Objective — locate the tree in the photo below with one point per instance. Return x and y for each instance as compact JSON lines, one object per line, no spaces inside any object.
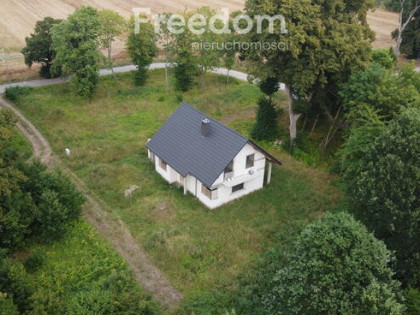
{"x":384,"y":187}
{"x":384,"y":57}
{"x":324,"y":44}
{"x":265,"y":127}
{"x":409,"y":11}
{"x":112,"y":26}
{"x":336,"y":267}
{"x":166,"y":38}
{"x":76,"y":41}
{"x":379,"y":90}
{"x":209,"y":43}
{"x":141,"y":47}
{"x":39,"y":47}
{"x":186,"y":62}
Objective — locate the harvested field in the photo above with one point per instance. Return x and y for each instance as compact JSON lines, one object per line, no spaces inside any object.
{"x":19,"y":18}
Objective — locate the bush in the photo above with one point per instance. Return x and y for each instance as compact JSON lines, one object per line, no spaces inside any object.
{"x":33,"y":262}
{"x":265,"y":127}
{"x":7,"y":307}
{"x":413,"y":301}
{"x":184,"y":76}
{"x":57,"y":201}
{"x":45,"y":203}
{"x":14,"y":92}
{"x":385,"y":57}
{"x":336,"y":267}
{"x":140,"y":76}
{"x":15,"y":282}
{"x":383,"y":184}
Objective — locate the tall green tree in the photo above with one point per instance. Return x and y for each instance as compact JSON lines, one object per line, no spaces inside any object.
{"x":383,"y":184}
{"x":408,"y":25}
{"x":112,"y":26}
{"x":38,"y":47}
{"x":265,"y":127}
{"x":142,"y":49}
{"x":379,"y":90}
{"x":324,"y":44}
{"x":210,"y":50}
{"x":336,"y":267}
{"x":76,"y":41}
{"x":186,"y":61}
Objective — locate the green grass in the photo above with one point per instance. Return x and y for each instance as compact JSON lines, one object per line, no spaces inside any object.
{"x":78,"y":269}
{"x":198,"y":248}
{"x":21,"y":148}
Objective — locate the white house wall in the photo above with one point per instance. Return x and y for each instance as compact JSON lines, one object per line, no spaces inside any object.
{"x":252,"y":178}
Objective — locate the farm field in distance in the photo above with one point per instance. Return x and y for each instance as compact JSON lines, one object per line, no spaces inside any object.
{"x":19,"y":18}
{"x":197,"y":248}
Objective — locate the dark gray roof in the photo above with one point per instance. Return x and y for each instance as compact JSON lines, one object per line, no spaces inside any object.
{"x":179,"y":143}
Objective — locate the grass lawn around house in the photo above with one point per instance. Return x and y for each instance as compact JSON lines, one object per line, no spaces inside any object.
{"x":197,"y":248}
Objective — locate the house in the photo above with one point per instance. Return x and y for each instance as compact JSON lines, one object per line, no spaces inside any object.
{"x":211,"y":161}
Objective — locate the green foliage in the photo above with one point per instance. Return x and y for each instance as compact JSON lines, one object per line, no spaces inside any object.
{"x":15,"y":282}
{"x":186,"y":61}
{"x":82,"y":274}
{"x":112,"y":26}
{"x":14,"y":92}
{"x":141,"y":47}
{"x":384,"y":187}
{"x":325,"y":45}
{"x":45,"y":203}
{"x":76,"y":41}
{"x":413,"y":301}
{"x":385,"y":57}
{"x":57,"y":203}
{"x":39,"y":47}
{"x":34,"y":261}
{"x":265,"y":127}
{"x":10,"y":177}
{"x":336,"y":267}
{"x":7,"y":307}
{"x":269,"y":86}
{"x":380,"y":92}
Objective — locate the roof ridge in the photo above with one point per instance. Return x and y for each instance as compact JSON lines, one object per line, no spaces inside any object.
{"x":215,"y":120}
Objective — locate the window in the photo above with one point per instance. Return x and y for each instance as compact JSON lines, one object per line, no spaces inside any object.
{"x":162,"y":164}
{"x":229,"y":170}
{"x":250,"y":161}
{"x":237,"y":187}
{"x":209,"y":193}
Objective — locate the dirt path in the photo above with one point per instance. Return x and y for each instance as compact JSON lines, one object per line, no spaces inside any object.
{"x":108,"y":224}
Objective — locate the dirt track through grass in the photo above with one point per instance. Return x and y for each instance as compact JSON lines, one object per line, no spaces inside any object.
{"x":110,"y":226}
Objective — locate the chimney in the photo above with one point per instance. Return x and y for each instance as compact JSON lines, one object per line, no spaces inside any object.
{"x":205,"y":127}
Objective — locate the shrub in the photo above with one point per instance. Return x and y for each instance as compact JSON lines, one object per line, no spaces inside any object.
{"x":265,"y":127}
{"x":57,"y":201}
{"x":335,"y":267}
{"x":14,"y":92}
{"x":383,"y":183}
{"x":15,"y":282}
{"x":7,"y":307}
{"x":413,"y":301}
{"x":384,"y":57}
{"x":184,"y":76}
{"x":33,"y":262}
